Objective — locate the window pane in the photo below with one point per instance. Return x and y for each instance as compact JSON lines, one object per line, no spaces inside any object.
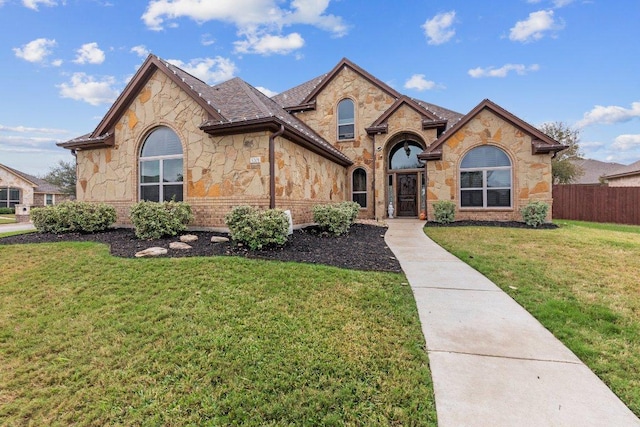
{"x":345,"y":132}
{"x":3,"y":203}
{"x":359,"y":180}
{"x":172,"y":170}
{"x":14,"y":194}
{"x":150,"y":193}
{"x":471,"y":198}
{"x":471,"y":179}
{"x":361,"y":199}
{"x":500,"y":178}
{"x":499,"y":198}
{"x":3,"y":193}
{"x":400,"y":160}
{"x":150,"y":171}
{"x":161,"y":142}
{"x":485,"y":156}
{"x":345,"y":112}
{"x":172,"y":192}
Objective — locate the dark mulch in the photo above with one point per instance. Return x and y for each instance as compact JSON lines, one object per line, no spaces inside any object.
{"x":508,"y":224}
{"x":363,"y":248}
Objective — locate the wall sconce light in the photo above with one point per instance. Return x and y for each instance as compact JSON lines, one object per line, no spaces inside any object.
{"x":407,"y":149}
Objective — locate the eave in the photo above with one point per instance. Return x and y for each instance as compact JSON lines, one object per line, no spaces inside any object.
{"x":88,"y":143}
{"x":539,"y":147}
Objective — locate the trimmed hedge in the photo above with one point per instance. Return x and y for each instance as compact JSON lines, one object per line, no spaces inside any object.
{"x":257,"y":228}
{"x":444,"y":211}
{"x":534,"y":213}
{"x":69,"y":217}
{"x":154,"y":220}
{"x":7,"y":211}
{"x":337,"y":218}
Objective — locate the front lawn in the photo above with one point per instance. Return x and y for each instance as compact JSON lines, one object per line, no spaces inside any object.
{"x":580,"y":281}
{"x":7,"y":219}
{"x":90,"y":339}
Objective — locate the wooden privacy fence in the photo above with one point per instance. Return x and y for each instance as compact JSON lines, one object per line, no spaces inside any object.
{"x":597,"y":203}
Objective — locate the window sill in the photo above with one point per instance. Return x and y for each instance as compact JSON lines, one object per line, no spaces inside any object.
{"x":491,"y":209}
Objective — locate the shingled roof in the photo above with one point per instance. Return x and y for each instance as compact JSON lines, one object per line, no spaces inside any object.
{"x":39,"y":185}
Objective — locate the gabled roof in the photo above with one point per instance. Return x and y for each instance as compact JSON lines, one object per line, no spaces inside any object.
{"x":541,"y":143}
{"x":593,"y":170}
{"x":429,"y":119}
{"x":39,"y":185}
{"x":629,"y":170}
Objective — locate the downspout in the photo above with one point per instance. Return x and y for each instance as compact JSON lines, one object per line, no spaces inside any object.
{"x":373,"y":167}
{"x":272,"y":167}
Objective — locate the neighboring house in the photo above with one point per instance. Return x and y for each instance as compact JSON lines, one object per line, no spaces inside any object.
{"x":344,"y":135}
{"x":594,"y":171}
{"x":625,"y":176}
{"x":19,"y":188}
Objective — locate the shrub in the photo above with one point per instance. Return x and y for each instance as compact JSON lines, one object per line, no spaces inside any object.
{"x":68,"y":217}
{"x":256,"y":228}
{"x":337,"y":218}
{"x":153,"y":220}
{"x":444,"y":211}
{"x":7,"y":211}
{"x":534,"y":213}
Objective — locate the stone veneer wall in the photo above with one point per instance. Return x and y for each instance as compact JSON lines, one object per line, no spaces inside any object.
{"x":8,"y":179}
{"x":531,"y":173}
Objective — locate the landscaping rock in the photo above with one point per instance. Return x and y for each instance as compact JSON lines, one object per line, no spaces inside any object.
{"x":155,"y":251}
{"x":219,"y":239}
{"x":179,"y":245}
{"x":188,"y":238}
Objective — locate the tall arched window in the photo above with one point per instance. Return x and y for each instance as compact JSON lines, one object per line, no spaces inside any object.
{"x":346,"y":119}
{"x":161,"y":173}
{"x":405,"y":156}
{"x":359,"y":187}
{"x":485,"y":178}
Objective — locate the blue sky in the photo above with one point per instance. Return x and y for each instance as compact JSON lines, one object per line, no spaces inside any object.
{"x":65,"y":61}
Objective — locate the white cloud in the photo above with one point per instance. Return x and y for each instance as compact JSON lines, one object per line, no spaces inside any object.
{"x":269,"y":44}
{"x":33,"y":4}
{"x":24,"y":129}
{"x":140,"y":50}
{"x":206,"y":40}
{"x":83,"y":87}
{"x":22,"y":141}
{"x":503,"y":71}
{"x":259,"y":21}
{"x":89,"y":53}
{"x":420,"y":83}
{"x":36,"y":50}
{"x":438,"y":29}
{"x":609,"y":115}
{"x":534,"y":27}
{"x":210,"y":70}
{"x":626,"y":142}
{"x":266,"y":91}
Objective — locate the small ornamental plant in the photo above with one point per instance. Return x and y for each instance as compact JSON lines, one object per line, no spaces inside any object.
{"x":257,"y":228}
{"x":444,"y":211}
{"x":153,"y":220}
{"x":534,"y":214}
{"x":337,"y":218}
{"x":73,"y":217}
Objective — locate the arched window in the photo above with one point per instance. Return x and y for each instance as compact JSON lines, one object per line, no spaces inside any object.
{"x":485,"y":178}
{"x":346,"y":119}
{"x":161,"y":173}
{"x":359,"y":187}
{"x":405,"y":156}
{"x":9,"y":197}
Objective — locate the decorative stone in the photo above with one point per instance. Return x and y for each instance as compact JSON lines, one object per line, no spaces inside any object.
{"x":179,"y":245}
{"x":188,"y":238}
{"x":219,"y":239}
{"x":155,"y":251}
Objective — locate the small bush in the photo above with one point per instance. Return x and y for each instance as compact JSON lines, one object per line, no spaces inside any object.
{"x":337,"y":218}
{"x":7,"y":211}
{"x":153,"y":220}
{"x":534,"y":213}
{"x":69,"y":217}
{"x":444,"y":211}
{"x":256,"y":228}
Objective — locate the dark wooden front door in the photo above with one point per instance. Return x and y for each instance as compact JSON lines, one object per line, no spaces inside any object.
{"x":407,"y":191}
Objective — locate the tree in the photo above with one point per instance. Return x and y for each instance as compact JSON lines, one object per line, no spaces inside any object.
{"x":563,"y":168}
{"x":63,"y":175}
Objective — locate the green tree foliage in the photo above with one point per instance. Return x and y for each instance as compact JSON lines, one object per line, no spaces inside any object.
{"x":564,"y":170}
{"x":63,"y":175}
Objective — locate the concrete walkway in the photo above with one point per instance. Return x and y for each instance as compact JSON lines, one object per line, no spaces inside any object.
{"x":5,"y":228}
{"x":492,"y":363}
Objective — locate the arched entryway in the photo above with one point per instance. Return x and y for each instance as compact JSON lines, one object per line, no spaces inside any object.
{"x":405,"y":176}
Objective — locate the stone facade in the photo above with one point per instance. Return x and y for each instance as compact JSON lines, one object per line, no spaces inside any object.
{"x":33,"y":190}
{"x":531,"y":174}
{"x":9,"y":179}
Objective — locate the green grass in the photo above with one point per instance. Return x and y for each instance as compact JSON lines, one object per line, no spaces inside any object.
{"x":7,"y":219}
{"x":89,"y":339}
{"x":580,"y":281}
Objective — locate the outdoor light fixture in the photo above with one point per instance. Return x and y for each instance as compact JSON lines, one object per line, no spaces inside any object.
{"x":407,"y":149}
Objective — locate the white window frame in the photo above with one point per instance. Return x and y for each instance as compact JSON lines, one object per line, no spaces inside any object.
{"x":53,"y":199}
{"x":340,"y":123}
{"x":485,"y":188}
{"x":160,"y":159}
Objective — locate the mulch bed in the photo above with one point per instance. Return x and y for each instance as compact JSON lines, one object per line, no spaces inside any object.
{"x":363,"y":248}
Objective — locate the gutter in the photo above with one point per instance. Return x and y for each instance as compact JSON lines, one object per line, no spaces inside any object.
{"x":272,"y":166}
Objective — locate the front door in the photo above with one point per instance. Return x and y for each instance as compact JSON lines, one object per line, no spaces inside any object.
{"x":407,"y":192}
